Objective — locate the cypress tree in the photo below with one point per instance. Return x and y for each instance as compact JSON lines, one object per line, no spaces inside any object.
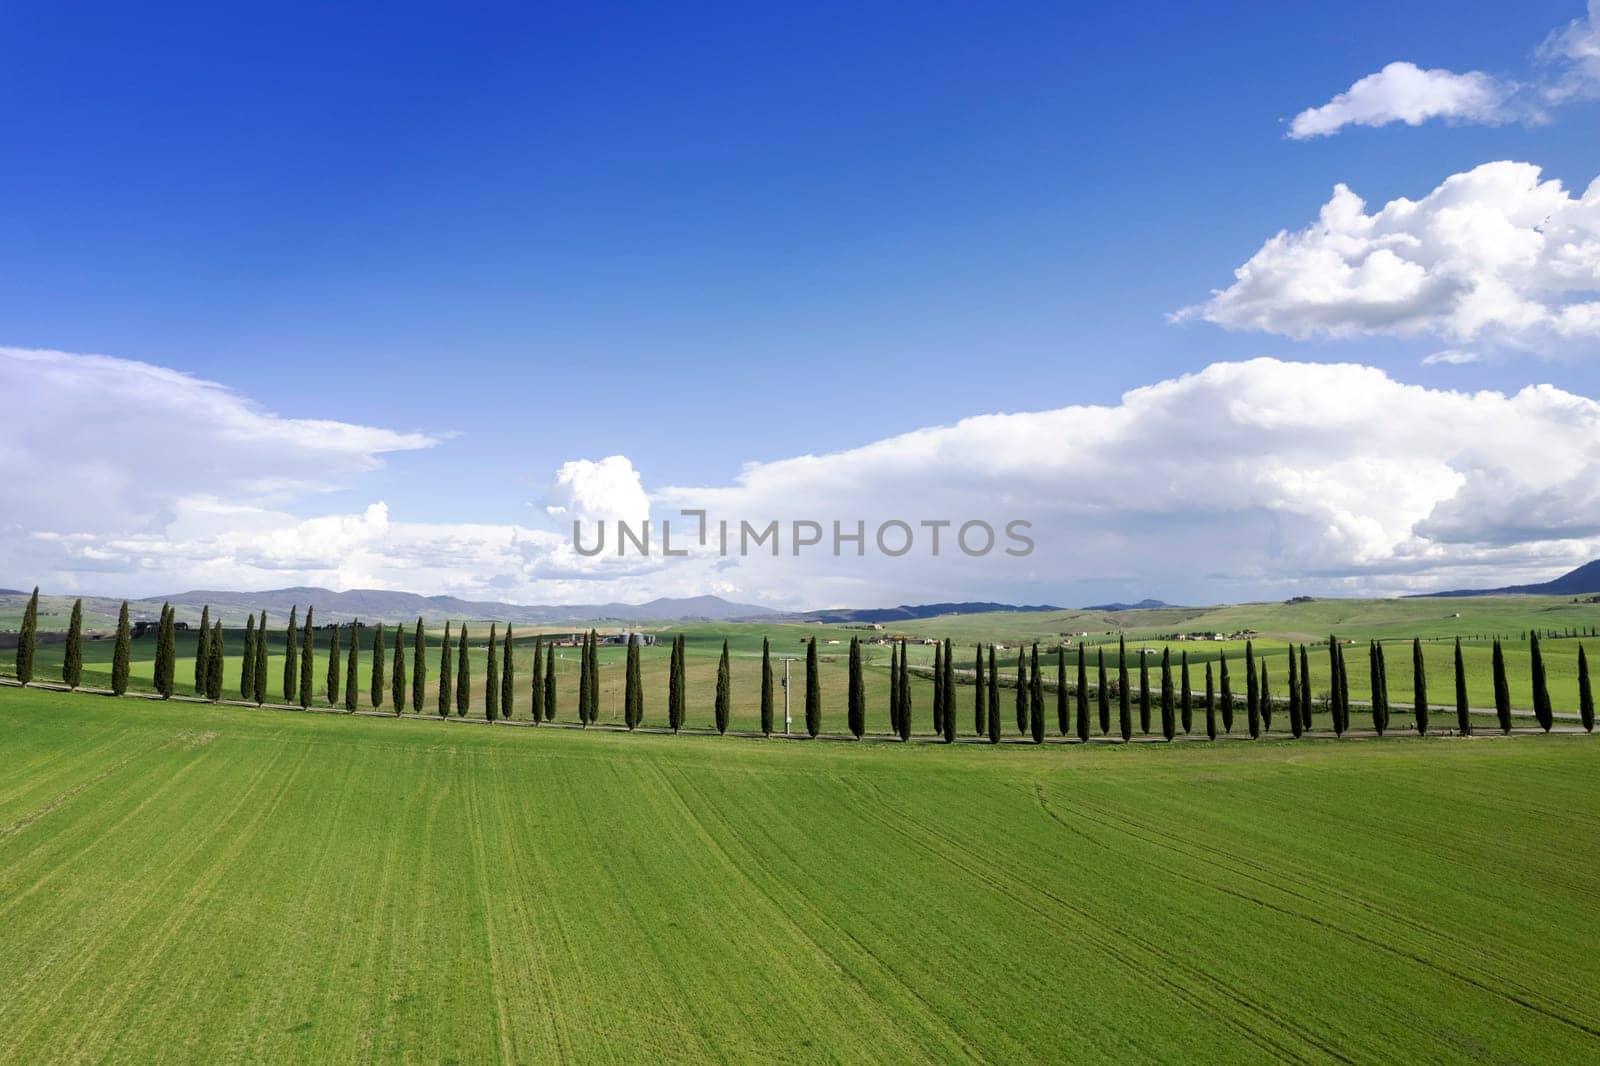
{"x":1376,"y":685}
{"x":632,"y":698}
{"x":335,"y":664}
{"x":1305,"y":691}
{"x":1124,"y":715}
{"x":1542,"y":709}
{"x":1296,"y":720}
{"x":380,"y":674}
{"x":397,"y":678}
{"x":247,"y":669}
{"x":1102,"y":693}
{"x":202,"y":646}
{"x":491,"y":678}
{"x":674,"y":685}
{"x":536,"y":686}
{"x":1252,"y":690}
{"x":167,"y":652}
{"x":1211,"y":708}
{"x":419,"y":670}
{"x":1022,"y":692}
{"x":508,"y":677}
{"x":352,"y":668}
{"x":214,"y":659}
{"x":1585,"y":693}
{"x":594,"y":676}
{"x":894,"y":687}
{"x":550,"y":682}
{"x":1169,"y":724}
{"x":446,"y":684}
{"x":120,"y":652}
{"x":1083,"y":697}
{"x":307,"y":663}
{"x":1463,"y":716}
{"x":993,"y":712}
{"x":1335,"y":656}
{"x":905,"y":693}
{"x":1063,"y":714}
{"x":463,"y":675}
{"x":1419,"y":687}
{"x":980,"y":697}
{"x":938,"y":689}
{"x":1502,"y":691}
{"x":1035,"y":698}
{"x":291,"y":660}
{"x":766,"y":687}
{"x":1185,"y":697}
{"x":261,"y":660}
{"x":858,"y":695}
{"x":1266,"y":698}
{"x":27,"y":638}
{"x":72,"y":660}
{"x":724,"y":695}
{"x":1226,"y":694}
{"x":584,"y":676}
{"x":1144,"y":692}
{"x":949,"y":690}
{"x":813,"y":691}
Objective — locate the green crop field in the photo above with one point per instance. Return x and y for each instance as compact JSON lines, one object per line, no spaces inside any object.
{"x":185,"y":881}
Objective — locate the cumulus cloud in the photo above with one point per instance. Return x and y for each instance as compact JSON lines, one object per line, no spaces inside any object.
{"x":1243,"y":479}
{"x":1495,"y":253}
{"x":1450,"y":357}
{"x":1404,"y":92}
{"x":1570,"y":57}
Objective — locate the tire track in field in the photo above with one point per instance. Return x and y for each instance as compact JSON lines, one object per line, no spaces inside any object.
{"x":1014,"y":887}
{"x":933,"y":1018}
{"x":481,"y":882}
{"x":56,"y":802}
{"x":127,"y":978}
{"x":1522,"y":1000}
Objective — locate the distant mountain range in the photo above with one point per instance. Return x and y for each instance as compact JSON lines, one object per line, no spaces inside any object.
{"x":1142,"y":605}
{"x":1582,"y":581}
{"x":378,"y":605}
{"x":903,"y":613}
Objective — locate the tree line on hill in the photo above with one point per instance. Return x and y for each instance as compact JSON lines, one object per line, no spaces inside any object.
{"x":1170,"y":708}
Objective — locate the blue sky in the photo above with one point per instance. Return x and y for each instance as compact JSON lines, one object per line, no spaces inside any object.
{"x":706,"y":236}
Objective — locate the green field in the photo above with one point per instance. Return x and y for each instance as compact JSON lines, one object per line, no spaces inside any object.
{"x":181,"y":881}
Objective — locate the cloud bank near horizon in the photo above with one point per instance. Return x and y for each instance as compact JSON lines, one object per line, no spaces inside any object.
{"x":1242,"y":479}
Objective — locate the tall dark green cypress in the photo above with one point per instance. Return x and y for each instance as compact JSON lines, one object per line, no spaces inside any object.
{"x":1266,"y":697}
{"x":857,"y":705}
{"x":1102,"y":693}
{"x":1225,"y":696}
{"x":1585,"y":693}
{"x":491,"y":677}
{"x":1376,"y":678}
{"x":938,"y":689}
{"x":1022,"y":692}
{"x":1542,"y":708}
{"x":1335,"y":656}
{"x":335,"y":664}
{"x":1252,"y":691}
{"x":247,"y":669}
{"x":167,"y":652}
{"x":894,"y":687}
{"x":1463,"y":713}
{"x":1124,"y":713}
{"x":725,"y":691}
{"x":120,"y":652}
{"x":72,"y":659}
{"x":463,"y":674}
{"x":594,"y":676}
{"x":27,"y":638}
{"x":949,"y":688}
{"x":1185,"y":696}
{"x":1502,"y":691}
{"x":1211,"y":707}
{"x":352,"y":669}
{"x":307,"y":662}
{"x":1169,"y":724}
{"x":980,"y":697}
{"x":1419,"y":687}
{"x":1083,"y":696}
{"x":906,"y":709}
{"x":767,"y":687}
{"x":508,"y":677}
{"x":632,"y":697}
{"x":447,"y":689}
{"x":397,"y":677}
{"x":1063,"y":711}
{"x":214,"y":659}
{"x":380,"y":675}
{"x":550,"y":682}
{"x":674,"y":684}
{"x":1144,"y":692}
{"x":813,"y":691}
{"x":583,"y":682}
{"x":993,"y":713}
{"x":261,"y":660}
{"x":1294,"y":694}
{"x":1035,"y":698}
{"x":202,"y":645}
{"x":291,"y":657}
{"x":419,"y":669}
{"x":536,"y":685}
{"x":1305,"y":691}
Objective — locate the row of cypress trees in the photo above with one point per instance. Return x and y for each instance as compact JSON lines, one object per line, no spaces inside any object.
{"x":454,"y":686}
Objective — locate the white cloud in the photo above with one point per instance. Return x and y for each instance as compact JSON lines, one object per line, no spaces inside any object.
{"x":1571,"y":59}
{"x":1494,"y":253}
{"x":1404,"y":92}
{"x":1450,"y":357}
{"x":1243,"y":479}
